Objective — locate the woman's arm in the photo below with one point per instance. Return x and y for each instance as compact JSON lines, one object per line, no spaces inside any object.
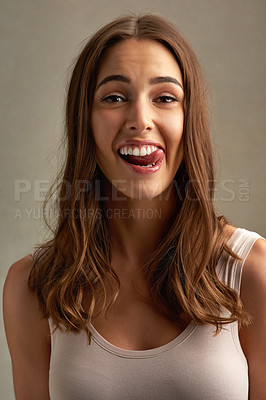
{"x":27,"y":334}
{"x":253,"y":338}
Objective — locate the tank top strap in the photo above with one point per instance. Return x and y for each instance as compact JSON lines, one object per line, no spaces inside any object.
{"x":229,"y":269}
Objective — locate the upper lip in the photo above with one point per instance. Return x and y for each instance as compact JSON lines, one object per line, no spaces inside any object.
{"x":136,"y":142}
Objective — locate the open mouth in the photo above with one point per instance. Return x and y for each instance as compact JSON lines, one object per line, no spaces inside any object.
{"x":147,"y":156}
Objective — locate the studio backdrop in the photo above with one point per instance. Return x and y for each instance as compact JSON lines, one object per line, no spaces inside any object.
{"x":39,"y":43}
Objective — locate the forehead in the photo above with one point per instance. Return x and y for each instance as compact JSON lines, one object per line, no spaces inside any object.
{"x":137,"y":57}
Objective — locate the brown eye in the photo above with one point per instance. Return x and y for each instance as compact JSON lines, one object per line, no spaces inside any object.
{"x":166,"y":99}
{"x":114,"y":98}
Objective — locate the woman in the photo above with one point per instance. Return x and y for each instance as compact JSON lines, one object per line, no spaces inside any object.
{"x":139,"y":293}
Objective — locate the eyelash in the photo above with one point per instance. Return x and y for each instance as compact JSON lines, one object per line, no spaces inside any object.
{"x":173,"y":99}
{"x":113,"y":96}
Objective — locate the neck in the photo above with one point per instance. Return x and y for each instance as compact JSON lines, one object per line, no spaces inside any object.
{"x":137,"y":226}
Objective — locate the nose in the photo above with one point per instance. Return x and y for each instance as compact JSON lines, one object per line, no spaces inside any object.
{"x":139,"y":117}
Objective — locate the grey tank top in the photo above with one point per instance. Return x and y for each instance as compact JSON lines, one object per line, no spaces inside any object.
{"x":196,"y":365}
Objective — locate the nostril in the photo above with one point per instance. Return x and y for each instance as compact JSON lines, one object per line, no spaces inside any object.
{"x":140,"y":126}
{"x":134,"y":128}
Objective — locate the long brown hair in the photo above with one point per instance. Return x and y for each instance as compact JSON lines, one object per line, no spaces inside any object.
{"x":181,"y":274}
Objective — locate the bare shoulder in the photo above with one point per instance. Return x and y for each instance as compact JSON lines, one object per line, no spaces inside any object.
{"x":21,"y":307}
{"x":19,"y":303}
{"x":27,"y":333}
{"x":254,"y":271}
{"x":16,"y":292}
{"x":252,"y":338}
{"x":253,"y":283}
{"x":18,"y":274}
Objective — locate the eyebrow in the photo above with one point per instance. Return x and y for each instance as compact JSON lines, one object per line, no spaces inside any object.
{"x":160,"y":79}
{"x":120,"y":78}
{"x":153,"y":81}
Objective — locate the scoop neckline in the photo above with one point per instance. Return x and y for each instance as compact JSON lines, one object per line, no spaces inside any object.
{"x":178,"y":340}
{"x":126,"y":353}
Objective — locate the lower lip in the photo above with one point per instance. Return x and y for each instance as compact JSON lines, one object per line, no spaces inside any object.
{"x":144,"y":170}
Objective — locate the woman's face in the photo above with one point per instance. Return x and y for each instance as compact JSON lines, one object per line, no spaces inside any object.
{"x":137,"y":117}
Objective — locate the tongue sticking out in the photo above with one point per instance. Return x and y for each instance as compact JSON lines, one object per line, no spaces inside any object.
{"x":150,"y":159}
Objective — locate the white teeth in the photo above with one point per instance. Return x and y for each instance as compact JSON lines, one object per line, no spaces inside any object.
{"x":142,"y":151}
{"x":146,"y":166}
{"x":148,"y":150}
{"x":138,"y":150}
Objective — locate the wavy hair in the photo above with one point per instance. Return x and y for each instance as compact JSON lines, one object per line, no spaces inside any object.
{"x":181,"y":274}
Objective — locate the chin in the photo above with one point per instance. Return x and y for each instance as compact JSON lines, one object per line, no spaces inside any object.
{"x":143,"y":192}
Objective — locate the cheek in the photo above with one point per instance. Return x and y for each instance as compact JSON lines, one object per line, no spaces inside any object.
{"x":174,"y":132}
{"x":104,"y":127}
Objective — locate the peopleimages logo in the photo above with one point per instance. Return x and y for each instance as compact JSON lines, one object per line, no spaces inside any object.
{"x":228,"y":189}
{"x":27,"y":191}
